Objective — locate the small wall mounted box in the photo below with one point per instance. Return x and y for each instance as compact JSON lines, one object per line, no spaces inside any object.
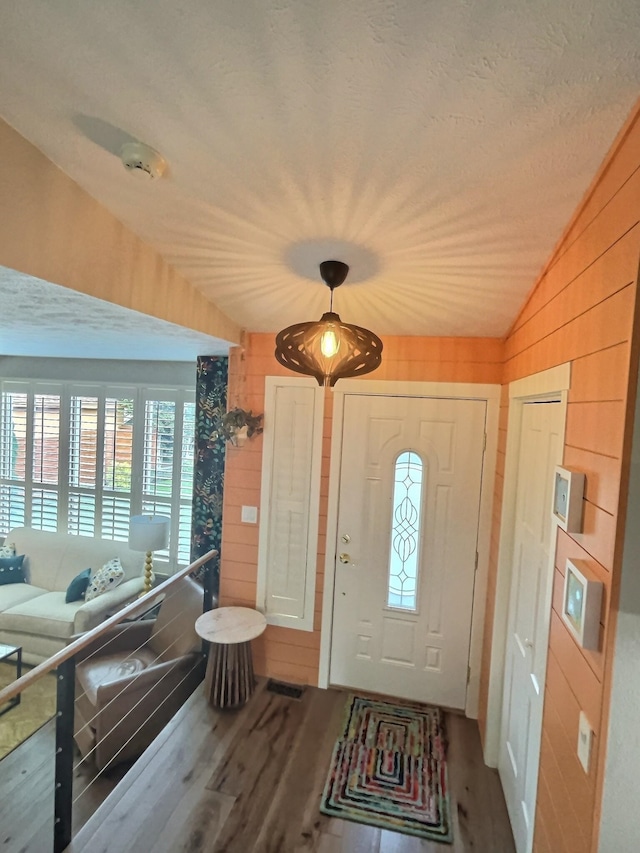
{"x":568,"y":493}
{"x":582,"y":604}
{"x":584,"y":741}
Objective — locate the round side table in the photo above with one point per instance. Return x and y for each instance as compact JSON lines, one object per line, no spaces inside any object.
{"x":229,"y":681}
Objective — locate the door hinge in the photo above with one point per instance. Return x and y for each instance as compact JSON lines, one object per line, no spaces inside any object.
{"x":468,"y":674}
{"x":477,"y":558}
{"x":484,"y":445}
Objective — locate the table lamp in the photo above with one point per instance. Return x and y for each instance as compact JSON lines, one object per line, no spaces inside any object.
{"x":148,"y":533}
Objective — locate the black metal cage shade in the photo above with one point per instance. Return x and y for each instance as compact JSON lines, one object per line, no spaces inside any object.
{"x":328,"y":349}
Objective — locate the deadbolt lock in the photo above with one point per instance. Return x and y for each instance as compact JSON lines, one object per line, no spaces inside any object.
{"x":346,"y":538}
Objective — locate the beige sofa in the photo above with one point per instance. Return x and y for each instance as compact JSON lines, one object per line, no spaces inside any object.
{"x":34,"y":615}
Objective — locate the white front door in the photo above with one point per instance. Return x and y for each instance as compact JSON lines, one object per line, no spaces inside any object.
{"x":529,"y":609}
{"x":406,"y":550}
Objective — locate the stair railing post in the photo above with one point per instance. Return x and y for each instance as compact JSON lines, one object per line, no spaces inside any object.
{"x":65,"y":675}
{"x":207,"y":582}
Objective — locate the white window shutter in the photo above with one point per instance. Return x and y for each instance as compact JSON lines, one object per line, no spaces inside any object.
{"x":290,"y":499}
{"x":84,"y":458}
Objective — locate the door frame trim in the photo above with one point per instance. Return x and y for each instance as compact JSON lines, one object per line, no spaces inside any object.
{"x":488,"y":393}
{"x":552,"y":384}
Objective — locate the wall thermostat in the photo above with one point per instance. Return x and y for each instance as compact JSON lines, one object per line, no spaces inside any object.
{"x":568,"y":494}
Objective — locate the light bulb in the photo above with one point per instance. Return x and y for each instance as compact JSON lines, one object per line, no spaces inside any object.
{"x":329,"y":343}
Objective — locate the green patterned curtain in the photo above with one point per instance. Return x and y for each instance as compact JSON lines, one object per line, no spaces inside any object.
{"x":211,"y":404}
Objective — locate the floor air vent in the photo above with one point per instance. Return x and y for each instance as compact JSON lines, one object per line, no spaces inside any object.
{"x":293,"y":691}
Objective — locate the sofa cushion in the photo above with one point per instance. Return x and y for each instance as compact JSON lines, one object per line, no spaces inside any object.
{"x":17,"y":593}
{"x":108,"y":577}
{"x":82,"y":552}
{"x":11,"y":570}
{"x":47,"y":615}
{"x":54,"y":559}
{"x":43,"y":553}
{"x":92,"y":613}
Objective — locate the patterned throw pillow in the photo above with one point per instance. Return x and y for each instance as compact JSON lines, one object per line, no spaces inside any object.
{"x":108,"y":577}
{"x":7,"y":550}
{"x":11,"y":570}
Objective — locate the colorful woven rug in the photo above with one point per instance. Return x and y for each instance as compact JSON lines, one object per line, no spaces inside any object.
{"x":389,"y":769}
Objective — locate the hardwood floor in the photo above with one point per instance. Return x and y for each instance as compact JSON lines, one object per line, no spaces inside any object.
{"x":26,"y":793}
{"x":26,"y":788}
{"x":236,"y":782}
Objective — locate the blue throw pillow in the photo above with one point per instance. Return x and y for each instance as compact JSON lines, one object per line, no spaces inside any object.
{"x":78,"y":587}
{"x":11,"y":570}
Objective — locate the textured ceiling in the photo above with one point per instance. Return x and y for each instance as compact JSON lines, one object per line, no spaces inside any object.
{"x":437,"y":147}
{"x":41,"y":319}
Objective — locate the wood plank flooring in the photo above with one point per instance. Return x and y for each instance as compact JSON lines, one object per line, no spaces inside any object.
{"x":26,"y":792}
{"x":26,"y":789}
{"x":251,"y":780}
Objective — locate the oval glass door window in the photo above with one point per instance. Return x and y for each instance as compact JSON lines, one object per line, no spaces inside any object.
{"x":405,"y":531}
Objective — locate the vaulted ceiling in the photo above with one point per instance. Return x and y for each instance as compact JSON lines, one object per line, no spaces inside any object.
{"x":437,"y":147}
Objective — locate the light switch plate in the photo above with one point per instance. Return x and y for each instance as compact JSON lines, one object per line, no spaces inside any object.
{"x":249,"y":515}
{"x":584,"y":741}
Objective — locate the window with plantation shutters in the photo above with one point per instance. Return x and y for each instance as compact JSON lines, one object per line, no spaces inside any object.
{"x":45,"y":450}
{"x":117,"y":467}
{"x":83,"y":465}
{"x":13,"y":458}
{"x":86,"y":458}
{"x":187,"y":463}
{"x":157,"y":472}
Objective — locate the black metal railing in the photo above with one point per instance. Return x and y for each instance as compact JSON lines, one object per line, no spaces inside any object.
{"x":72,"y":727}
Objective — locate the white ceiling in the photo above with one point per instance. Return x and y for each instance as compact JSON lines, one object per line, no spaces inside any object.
{"x":38,"y":318}
{"x":439,"y":148}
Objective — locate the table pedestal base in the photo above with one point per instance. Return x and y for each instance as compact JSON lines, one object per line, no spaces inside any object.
{"x":229,"y":681}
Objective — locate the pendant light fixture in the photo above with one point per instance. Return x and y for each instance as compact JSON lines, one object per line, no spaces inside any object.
{"x":329,"y":349}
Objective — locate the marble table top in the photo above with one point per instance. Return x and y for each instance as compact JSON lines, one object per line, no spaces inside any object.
{"x":230,"y":625}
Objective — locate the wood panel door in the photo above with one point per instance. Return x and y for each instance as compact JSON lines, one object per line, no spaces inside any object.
{"x":541,"y":442}
{"x":409,"y":501}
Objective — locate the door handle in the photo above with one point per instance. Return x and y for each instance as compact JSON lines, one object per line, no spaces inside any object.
{"x":345,"y":558}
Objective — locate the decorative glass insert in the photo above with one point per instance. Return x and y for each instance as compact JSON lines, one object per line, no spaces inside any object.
{"x":405,"y":532}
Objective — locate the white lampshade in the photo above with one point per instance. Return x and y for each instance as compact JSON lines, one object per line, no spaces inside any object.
{"x":148,"y":532}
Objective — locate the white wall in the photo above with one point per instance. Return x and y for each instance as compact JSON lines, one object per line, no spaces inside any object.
{"x":171,"y":373}
{"x":54,"y":231}
{"x":620,"y":823}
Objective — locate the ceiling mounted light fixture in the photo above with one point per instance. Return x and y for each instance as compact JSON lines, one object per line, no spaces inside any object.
{"x":329,"y":349}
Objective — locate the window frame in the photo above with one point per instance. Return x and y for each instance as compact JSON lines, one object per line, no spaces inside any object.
{"x":141,"y":395}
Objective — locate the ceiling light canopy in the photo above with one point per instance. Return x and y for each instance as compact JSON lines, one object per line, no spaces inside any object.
{"x":329,"y":349}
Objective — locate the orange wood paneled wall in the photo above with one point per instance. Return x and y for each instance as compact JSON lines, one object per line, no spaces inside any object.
{"x":582,"y":310}
{"x":282,"y":652}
